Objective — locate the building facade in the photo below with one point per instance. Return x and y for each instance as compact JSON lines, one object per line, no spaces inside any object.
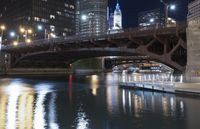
{"x":151,"y":18}
{"x":193,"y":42}
{"x":117,"y":18}
{"x":193,"y":10}
{"x":55,"y":16}
{"x":91,"y":17}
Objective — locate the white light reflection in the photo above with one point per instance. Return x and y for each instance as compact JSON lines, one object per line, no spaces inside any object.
{"x":52,"y":112}
{"x":182,"y":107}
{"x":173,"y":106}
{"x":82,"y":120}
{"x":12,"y":110}
{"x":14,"y":89}
{"x":25,"y":111}
{"x":39,"y":113}
{"x":137,"y":105}
{"x":165,"y":106}
{"x":112,"y":94}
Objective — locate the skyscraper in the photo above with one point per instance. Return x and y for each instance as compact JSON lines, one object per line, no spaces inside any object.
{"x":55,"y":16}
{"x":117,"y":17}
{"x":91,"y":17}
{"x":194,"y":10}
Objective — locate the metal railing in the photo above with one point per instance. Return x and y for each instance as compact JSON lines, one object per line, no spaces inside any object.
{"x":83,"y":38}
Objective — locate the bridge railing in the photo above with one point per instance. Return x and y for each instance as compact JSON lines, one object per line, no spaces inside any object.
{"x":110,"y":34}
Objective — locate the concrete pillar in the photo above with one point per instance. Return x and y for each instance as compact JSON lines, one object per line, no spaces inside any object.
{"x":5,"y":61}
{"x":193,"y":51}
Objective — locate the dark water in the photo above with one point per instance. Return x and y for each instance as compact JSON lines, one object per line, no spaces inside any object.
{"x":91,"y":102}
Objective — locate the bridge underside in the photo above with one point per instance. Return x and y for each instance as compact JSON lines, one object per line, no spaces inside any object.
{"x":63,"y":58}
{"x":167,"y":46}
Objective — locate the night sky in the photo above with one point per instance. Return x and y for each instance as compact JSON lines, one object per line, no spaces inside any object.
{"x":130,"y":9}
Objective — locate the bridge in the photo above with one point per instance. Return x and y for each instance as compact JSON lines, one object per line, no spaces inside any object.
{"x":165,"y":45}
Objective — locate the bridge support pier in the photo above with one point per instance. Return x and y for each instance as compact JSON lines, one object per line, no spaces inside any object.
{"x":5,"y":63}
{"x":193,"y":52}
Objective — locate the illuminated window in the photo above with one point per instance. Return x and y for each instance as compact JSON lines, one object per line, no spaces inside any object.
{"x":36,"y":19}
{"x":52,"y":17}
{"x":52,"y":27}
{"x":59,"y":13}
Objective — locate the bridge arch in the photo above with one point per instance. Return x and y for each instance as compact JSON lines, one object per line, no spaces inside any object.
{"x":94,"y":52}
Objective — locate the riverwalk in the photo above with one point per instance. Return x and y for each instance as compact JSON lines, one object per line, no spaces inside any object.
{"x":170,"y":87}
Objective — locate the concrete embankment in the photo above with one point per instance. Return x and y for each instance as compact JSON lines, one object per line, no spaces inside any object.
{"x":40,"y":71}
{"x":179,"y":88}
{"x":50,"y":71}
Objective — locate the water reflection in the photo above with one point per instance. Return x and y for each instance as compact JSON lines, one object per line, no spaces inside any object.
{"x":52,"y":112}
{"x":72,"y":104}
{"x":112,"y":94}
{"x":81,"y":120}
{"x":70,"y":81}
{"x":139,"y":101}
{"x":94,"y":84}
{"x":17,"y":106}
{"x":39,"y":113}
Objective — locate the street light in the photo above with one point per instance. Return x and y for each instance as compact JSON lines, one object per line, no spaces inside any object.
{"x":2,"y":27}
{"x":30,"y":31}
{"x":15,"y":43}
{"x":40,"y":28}
{"x":173,"y":7}
{"x":13,"y":34}
{"x":152,"y":20}
{"x":26,"y":32}
{"x":167,"y":7}
{"x":28,"y":40}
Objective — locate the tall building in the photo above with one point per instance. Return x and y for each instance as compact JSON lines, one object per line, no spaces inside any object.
{"x":151,"y":18}
{"x":193,"y":10}
{"x":193,"y":42}
{"x":91,"y":17}
{"x":55,"y":16}
{"x":111,"y":21}
{"x":117,"y":18}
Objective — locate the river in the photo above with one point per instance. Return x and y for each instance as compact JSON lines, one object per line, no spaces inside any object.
{"x":91,"y":102}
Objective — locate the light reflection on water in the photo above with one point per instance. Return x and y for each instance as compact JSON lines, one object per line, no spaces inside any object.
{"x":100,"y":104}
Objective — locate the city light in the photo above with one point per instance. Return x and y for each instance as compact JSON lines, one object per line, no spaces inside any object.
{"x":52,"y":35}
{"x":3,"y":27}
{"x":28,"y":40}
{"x":172,"y":7}
{"x":22,"y":30}
{"x":84,"y":17}
{"x":152,"y":20}
{"x":39,"y":27}
{"x":12,"y":34}
{"x":30,"y":31}
{"x":15,"y":43}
